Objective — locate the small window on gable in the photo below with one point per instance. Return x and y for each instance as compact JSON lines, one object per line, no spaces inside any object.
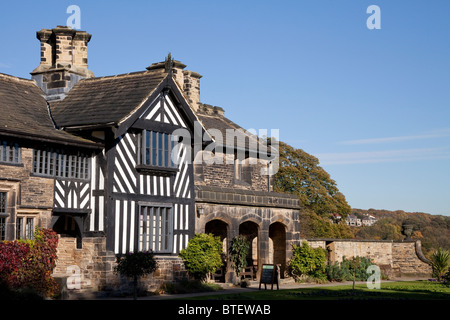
{"x":156,"y":152}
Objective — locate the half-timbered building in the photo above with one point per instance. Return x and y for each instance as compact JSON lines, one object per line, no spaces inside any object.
{"x":116,"y":164}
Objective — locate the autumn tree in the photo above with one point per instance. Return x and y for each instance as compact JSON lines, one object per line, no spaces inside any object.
{"x":299,"y":173}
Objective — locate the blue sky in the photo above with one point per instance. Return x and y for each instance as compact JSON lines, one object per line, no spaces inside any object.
{"x":372,"y":105}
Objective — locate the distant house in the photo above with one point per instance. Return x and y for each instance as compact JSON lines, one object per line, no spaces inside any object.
{"x":368,"y":220}
{"x":353,"y":221}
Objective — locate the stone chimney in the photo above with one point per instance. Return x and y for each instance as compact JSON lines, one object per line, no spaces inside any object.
{"x":64,"y":60}
{"x":191,"y":87}
{"x":188,"y":81}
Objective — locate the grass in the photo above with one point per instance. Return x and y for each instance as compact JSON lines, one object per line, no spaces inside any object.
{"x":188,"y":286}
{"x":404,"y":290}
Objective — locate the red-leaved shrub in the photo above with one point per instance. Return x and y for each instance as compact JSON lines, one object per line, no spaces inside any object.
{"x":29,"y":264}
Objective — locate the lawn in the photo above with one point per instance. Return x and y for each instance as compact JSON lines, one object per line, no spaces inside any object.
{"x":404,"y":290}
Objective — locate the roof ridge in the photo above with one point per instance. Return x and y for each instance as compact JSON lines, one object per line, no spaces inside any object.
{"x":122,"y":75}
{"x":8,"y":76}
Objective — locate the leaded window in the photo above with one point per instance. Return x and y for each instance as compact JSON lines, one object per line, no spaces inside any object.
{"x":19,"y":228}
{"x":25,"y":231}
{"x":29,"y":228}
{"x":155,"y":228}
{"x":3,"y":196}
{"x":3,"y":215}
{"x":2,"y":228}
{"x":156,"y":148}
{"x":10,"y":152}
{"x":53,"y":163}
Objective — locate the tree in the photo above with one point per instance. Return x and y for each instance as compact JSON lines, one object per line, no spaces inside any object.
{"x":202,"y":255}
{"x":299,"y":173}
{"x":135,"y":265}
{"x":315,"y":226}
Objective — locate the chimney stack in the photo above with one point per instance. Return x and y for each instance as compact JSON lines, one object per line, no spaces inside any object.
{"x":189,"y":81}
{"x":191,"y":88}
{"x":63,"y":60}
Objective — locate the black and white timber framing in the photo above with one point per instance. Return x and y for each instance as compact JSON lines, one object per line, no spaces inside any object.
{"x":138,"y":206}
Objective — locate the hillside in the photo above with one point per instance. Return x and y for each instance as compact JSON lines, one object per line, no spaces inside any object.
{"x":432,"y":230}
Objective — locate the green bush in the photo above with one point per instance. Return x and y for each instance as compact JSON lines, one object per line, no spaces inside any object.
{"x":307,"y":261}
{"x":343,"y":271}
{"x":202,"y":255}
{"x":239,"y":249}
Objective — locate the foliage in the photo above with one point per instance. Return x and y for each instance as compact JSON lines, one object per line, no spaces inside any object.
{"x":440,"y":260}
{"x":432,"y":230}
{"x":29,"y":264}
{"x":354,"y":269}
{"x":239,"y":249}
{"x":315,"y":226}
{"x":135,"y":265}
{"x":202,"y":255}
{"x":299,"y":173}
{"x":307,"y":261}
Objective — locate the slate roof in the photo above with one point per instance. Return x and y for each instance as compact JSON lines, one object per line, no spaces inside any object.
{"x":24,"y":114}
{"x":105,"y":100}
{"x":214,"y":118}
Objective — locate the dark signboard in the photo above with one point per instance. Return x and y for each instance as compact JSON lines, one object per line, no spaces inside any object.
{"x":269,"y":275}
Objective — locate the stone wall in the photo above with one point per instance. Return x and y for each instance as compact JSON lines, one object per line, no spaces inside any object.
{"x":224,"y":175}
{"x":91,"y":268}
{"x":408,"y":260}
{"x":28,"y":196}
{"x":396,"y":259}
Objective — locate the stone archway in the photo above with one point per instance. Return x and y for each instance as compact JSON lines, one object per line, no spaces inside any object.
{"x":250,"y":229}
{"x":67,"y":226}
{"x":277,"y":235}
{"x":220,"y":228}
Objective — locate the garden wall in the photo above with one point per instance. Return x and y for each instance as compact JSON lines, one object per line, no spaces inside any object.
{"x":396,"y":259}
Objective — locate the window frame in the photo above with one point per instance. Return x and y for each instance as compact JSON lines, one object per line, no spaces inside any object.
{"x":25,"y":224}
{"x":155,"y":153}
{"x":3,"y":227}
{"x":10,"y":153}
{"x":53,"y":163}
{"x":159,"y":237}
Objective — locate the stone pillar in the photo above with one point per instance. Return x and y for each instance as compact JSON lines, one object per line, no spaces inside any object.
{"x":233,"y":231}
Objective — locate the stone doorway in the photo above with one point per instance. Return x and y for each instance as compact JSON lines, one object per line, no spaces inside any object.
{"x":250,"y":230}
{"x":219,"y":228}
{"x":277,"y":236}
{"x":67,"y":226}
